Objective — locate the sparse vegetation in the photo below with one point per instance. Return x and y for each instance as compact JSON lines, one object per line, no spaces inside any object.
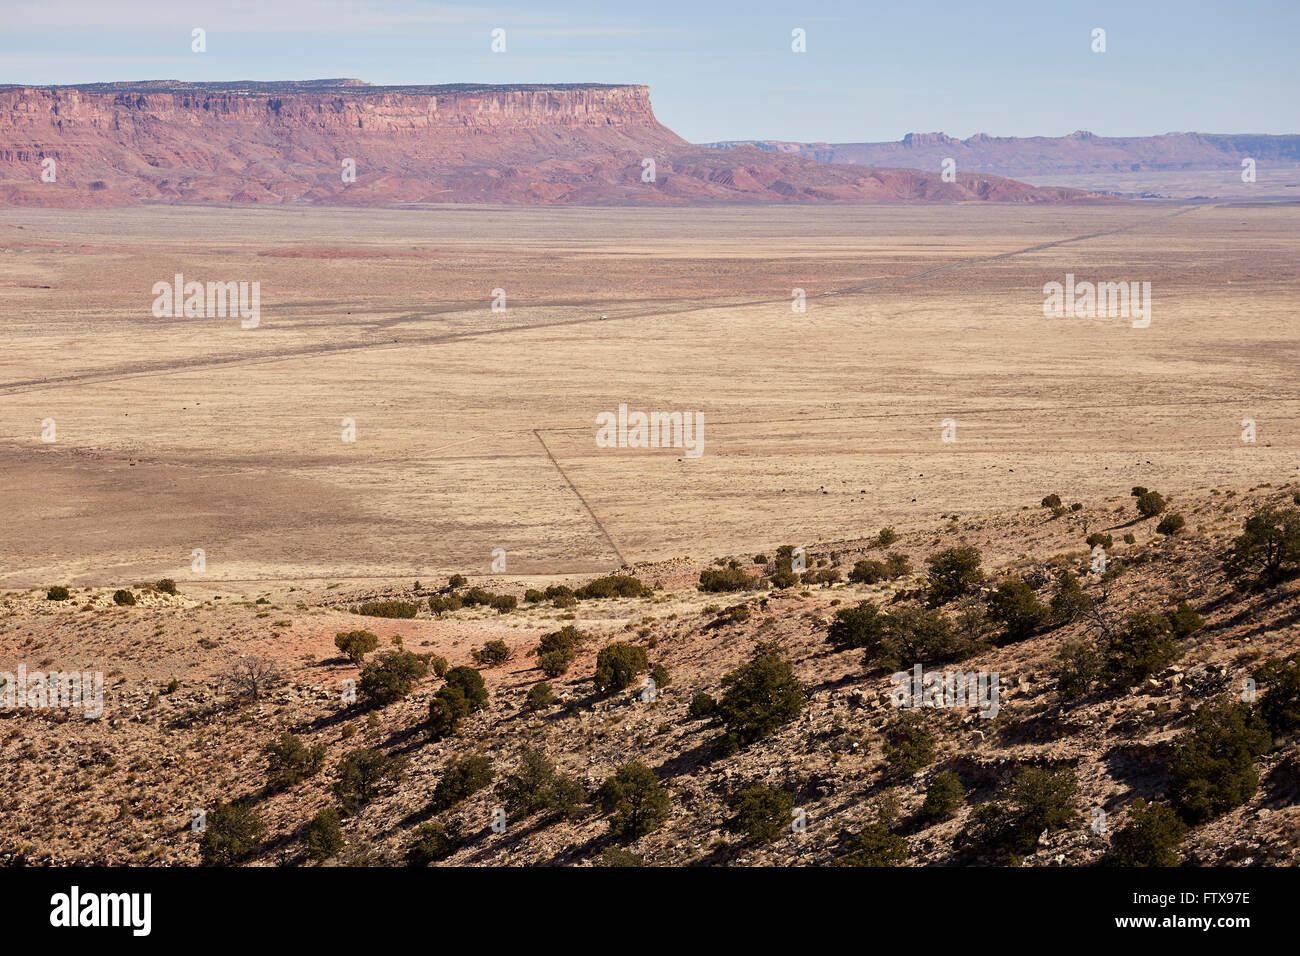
{"x":491,"y":654}
{"x":1149,"y":837}
{"x":1037,"y":801}
{"x":461,"y":778}
{"x":617,"y":666}
{"x":635,"y":801}
{"x":232,"y":832}
{"x":759,"y":697}
{"x":398,"y":609}
{"x":324,"y":835}
{"x":1211,"y":770}
{"x":389,"y":677}
{"x":761,"y":813}
{"x":290,"y":762}
{"x":362,"y":774}
{"x":355,"y":645}
{"x":953,"y":573}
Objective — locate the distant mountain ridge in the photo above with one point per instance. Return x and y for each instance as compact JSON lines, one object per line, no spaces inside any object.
{"x":107,"y":144}
{"x":1079,"y":152}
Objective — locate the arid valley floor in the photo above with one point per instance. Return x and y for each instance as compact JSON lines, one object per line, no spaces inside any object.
{"x":474,"y":431}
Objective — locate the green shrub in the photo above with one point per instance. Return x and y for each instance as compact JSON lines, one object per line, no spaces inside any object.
{"x":1211,"y":770}
{"x":758,"y":697}
{"x":355,"y":645}
{"x":1149,"y":837}
{"x":1171,"y":524}
{"x":944,"y":798}
{"x":448,"y":709}
{"x":761,"y":813}
{"x":166,"y":586}
{"x":1069,"y":602}
{"x":361,"y":774}
{"x":870,"y":571}
{"x":1269,"y":546}
{"x":1014,"y":605}
{"x":432,"y":842}
{"x":538,"y":786}
{"x":1143,"y":647}
{"x":324,"y":835}
{"x":821,"y":576}
{"x":440,"y":604}
{"x":867,"y":572}
{"x":534,"y":596}
{"x":57,"y":593}
{"x":1138,"y":491}
{"x":953,"y":572}
{"x":476,"y":597}
{"x":1097,"y":538}
{"x":660,"y":675}
{"x":290,"y":762}
{"x":636,"y":802}
{"x":1185,"y":621}
{"x":876,"y":845}
{"x":461,"y":778}
{"x":612,"y":585}
{"x":861,"y":626}
{"x":1280,"y":704}
{"x":1052,"y":501}
{"x":702,"y":707}
{"x":232,"y":832}
{"x":401,"y":609}
{"x":123,"y":598}
{"x":503,"y":603}
{"x":617,"y":666}
{"x":540,"y":697}
{"x":557,"y":650}
{"x":909,"y":744}
{"x":389,"y":677}
{"x":471,"y":685}
{"x":885,"y":537}
{"x":1150,"y":504}
{"x":456,"y":581}
{"x":725,"y":579}
{"x":438,"y":664}
{"x":491,"y":654}
{"x":1038,"y":801}
{"x":889,"y":639}
{"x":1079,"y":667}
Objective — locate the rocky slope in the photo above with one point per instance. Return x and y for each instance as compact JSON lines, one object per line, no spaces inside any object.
{"x":175,"y":737}
{"x":121,"y":143}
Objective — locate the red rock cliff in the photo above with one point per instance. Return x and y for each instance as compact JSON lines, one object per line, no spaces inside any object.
{"x":290,"y":142}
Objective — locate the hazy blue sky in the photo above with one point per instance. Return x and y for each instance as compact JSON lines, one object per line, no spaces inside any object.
{"x":872,"y":71}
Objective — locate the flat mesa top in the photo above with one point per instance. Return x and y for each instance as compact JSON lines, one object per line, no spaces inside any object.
{"x":349,"y":86}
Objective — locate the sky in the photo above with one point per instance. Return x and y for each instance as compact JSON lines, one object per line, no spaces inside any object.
{"x":872,"y":71}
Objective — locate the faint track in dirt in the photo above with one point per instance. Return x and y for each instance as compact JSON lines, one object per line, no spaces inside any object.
{"x":574,"y":488}
{"x":145,"y":369}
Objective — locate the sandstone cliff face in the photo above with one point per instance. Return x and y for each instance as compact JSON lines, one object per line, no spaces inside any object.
{"x":291,"y":142}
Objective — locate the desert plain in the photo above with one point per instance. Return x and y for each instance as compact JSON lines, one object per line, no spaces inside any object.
{"x":475,"y":428}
